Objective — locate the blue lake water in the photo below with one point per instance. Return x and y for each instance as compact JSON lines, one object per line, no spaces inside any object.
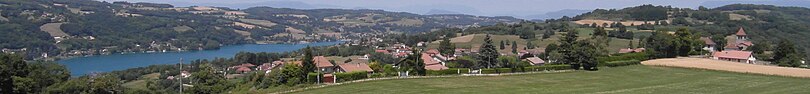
{"x":104,"y":63}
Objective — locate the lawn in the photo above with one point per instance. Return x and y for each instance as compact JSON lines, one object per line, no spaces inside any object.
{"x":621,"y":80}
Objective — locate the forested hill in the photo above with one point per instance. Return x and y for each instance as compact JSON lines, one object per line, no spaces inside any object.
{"x":764,"y":24}
{"x":40,"y":28}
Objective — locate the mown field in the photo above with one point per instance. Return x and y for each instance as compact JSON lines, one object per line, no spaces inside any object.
{"x":619,"y":80}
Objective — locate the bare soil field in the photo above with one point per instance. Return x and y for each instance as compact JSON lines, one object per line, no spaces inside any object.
{"x":54,"y":29}
{"x":264,"y":23}
{"x":711,"y":64}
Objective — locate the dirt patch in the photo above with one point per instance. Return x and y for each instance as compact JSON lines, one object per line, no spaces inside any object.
{"x":294,"y":30}
{"x":182,"y":28}
{"x":243,"y":33}
{"x":461,"y":39}
{"x":733,"y":16}
{"x":264,"y":23}
{"x":704,"y":63}
{"x":54,"y":29}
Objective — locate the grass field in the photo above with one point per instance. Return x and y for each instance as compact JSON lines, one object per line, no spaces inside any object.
{"x":618,"y":80}
{"x":475,"y":40}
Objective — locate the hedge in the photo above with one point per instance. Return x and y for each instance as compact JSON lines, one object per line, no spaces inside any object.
{"x":621,"y":63}
{"x":313,"y":77}
{"x":341,"y":77}
{"x":548,"y":67}
{"x":451,"y":71}
{"x":623,"y":57}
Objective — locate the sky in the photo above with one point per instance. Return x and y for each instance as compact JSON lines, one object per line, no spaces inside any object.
{"x":527,"y":9}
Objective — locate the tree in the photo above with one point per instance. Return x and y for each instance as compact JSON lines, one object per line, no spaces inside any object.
{"x":514,"y":47}
{"x":567,"y":47}
{"x":548,"y":33}
{"x":529,"y":45}
{"x":206,"y":81}
{"x":106,"y":84}
{"x":686,"y":43}
{"x":308,"y":64}
{"x":447,"y":48}
{"x":487,"y":54}
{"x":600,"y":31}
{"x":11,"y":66}
{"x":414,"y":63}
{"x":786,"y":54}
{"x":660,"y":45}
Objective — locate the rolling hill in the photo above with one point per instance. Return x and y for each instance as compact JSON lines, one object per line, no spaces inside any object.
{"x":91,"y":27}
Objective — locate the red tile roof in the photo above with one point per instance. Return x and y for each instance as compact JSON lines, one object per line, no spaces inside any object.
{"x":733,"y":54}
{"x":431,"y":64}
{"x":382,"y":51}
{"x":741,"y":32}
{"x":429,"y":60}
{"x":353,"y":67}
{"x":243,"y":69}
{"x":266,"y":66}
{"x":432,"y":51}
{"x":247,"y":65}
{"x":322,"y":62}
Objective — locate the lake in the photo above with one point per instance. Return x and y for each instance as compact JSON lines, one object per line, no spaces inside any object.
{"x":104,"y":63}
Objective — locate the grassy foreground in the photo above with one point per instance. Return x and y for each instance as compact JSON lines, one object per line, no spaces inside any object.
{"x":621,"y":80}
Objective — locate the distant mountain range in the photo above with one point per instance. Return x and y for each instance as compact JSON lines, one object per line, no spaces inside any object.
{"x":796,"y":3}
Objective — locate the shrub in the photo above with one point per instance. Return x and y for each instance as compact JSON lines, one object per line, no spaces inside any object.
{"x":313,"y":77}
{"x":621,"y":63}
{"x":341,"y":77}
{"x":549,"y":67}
{"x":488,"y":71}
{"x":451,"y":71}
{"x":623,"y":57}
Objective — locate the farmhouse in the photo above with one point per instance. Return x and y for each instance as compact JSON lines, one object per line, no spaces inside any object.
{"x":740,"y":42}
{"x":432,"y":63}
{"x":323,"y":64}
{"x":735,"y":56}
{"x":709,"y":44}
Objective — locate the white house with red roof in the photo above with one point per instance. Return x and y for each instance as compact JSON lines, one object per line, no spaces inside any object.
{"x":432,"y":63}
{"x":735,"y":56}
{"x":708,"y":44}
{"x":323,"y":64}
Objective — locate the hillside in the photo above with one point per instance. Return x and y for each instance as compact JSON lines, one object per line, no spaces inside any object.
{"x":764,"y":24}
{"x":59,"y":28}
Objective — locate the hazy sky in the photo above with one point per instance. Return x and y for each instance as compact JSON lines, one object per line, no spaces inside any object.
{"x":516,"y":8}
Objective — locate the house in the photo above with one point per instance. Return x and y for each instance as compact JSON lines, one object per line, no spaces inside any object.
{"x":735,"y":56}
{"x":243,"y":70}
{"x":323,"y":64}
{"x":631,"y":50}
{"x":535,"y":61}
{"x":431,"y":63}
{"x":354,"y":67}
{"x":740,"y":41}
{"x":709,"y":44}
